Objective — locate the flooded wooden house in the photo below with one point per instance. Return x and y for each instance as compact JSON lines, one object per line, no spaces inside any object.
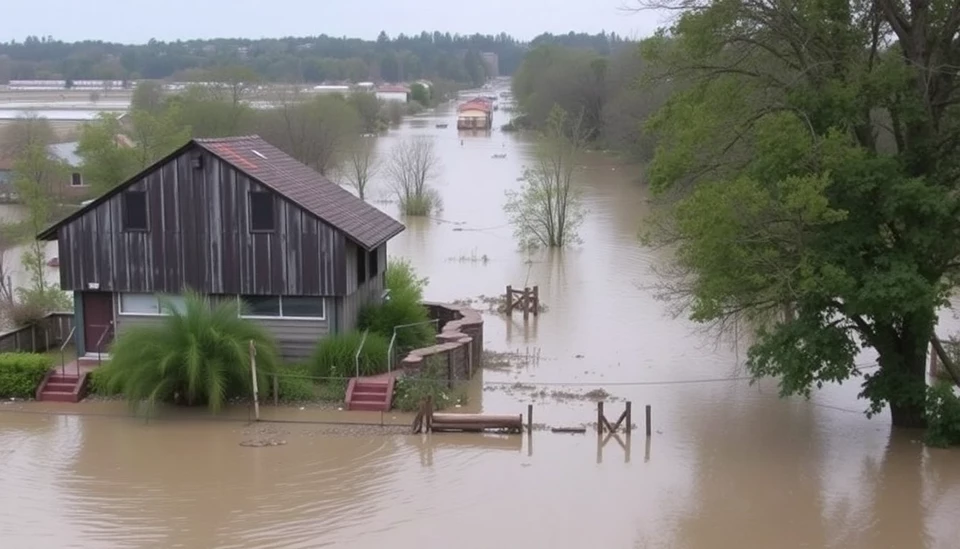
{"x":232,"y":218}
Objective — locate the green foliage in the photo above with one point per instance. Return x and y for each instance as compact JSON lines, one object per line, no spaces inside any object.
{"x":294,"y":384}
{"x":21,"y":374}
{"x":98,"y":381}
{"x":336,"y":355}
{"x":197,"y":355}
{"x":548,"y":208}
{"x":420,"y":94}
{"x":403,"y":308}
{"x":800,"y":201}
{"x":943,"y":416}
{"x":156,"y":133}
{"x":107,"y":162}
{"x":313,"y":129}
{"x":409,"y":390}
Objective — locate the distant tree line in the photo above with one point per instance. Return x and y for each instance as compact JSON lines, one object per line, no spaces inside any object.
{"x":297,"y":60}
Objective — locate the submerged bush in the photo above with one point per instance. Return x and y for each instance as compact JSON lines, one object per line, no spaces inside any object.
{"x":197,"y":355}
{"x":336,"y":355}
{"x":943,"y":416}
{"x":21,"y":374}
{"x":98,"y":382}
{"x":404,"y":307}
{"x":430,"y":381}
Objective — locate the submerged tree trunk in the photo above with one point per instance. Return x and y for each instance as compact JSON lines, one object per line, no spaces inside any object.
{"x":902,"y":379}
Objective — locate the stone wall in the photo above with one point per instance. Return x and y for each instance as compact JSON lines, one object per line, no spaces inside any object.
{"x":459,"y":347}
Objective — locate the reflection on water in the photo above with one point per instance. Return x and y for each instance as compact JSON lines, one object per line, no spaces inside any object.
{"x":730,"y":465}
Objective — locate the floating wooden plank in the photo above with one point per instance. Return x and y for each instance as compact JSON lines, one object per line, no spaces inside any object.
{"x":569,"y":430}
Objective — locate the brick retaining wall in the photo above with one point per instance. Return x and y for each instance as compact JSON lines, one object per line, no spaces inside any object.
{"x":459,"y":344}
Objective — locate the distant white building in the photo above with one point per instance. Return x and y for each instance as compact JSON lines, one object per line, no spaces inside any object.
{"x":325,"y":88}
{"x":393,"y":93}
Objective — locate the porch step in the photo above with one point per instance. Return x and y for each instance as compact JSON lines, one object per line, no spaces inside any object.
{"x":370,"y":394}
{"x":57,"y":387}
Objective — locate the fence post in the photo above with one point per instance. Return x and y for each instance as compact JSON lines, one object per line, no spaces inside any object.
{"x":629,"y":413}
{"x":648,"y":420}
{"x":253,"y":373}
{"x":276,"y":390}
{"x":526,"y":302}
{"x":600,"y":418}
{"x":509,"y":299}
{"x":529,"y":418}
{"x":536,"y":301}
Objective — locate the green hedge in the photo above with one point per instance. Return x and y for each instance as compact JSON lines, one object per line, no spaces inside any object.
{"x":21,"y":374}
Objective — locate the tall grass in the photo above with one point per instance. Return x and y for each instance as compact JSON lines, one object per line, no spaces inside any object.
{"x":336,"y":355}
{"x":199,"y":355}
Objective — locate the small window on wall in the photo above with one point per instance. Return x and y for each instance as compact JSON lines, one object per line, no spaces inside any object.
{"x":76,"y":179}
{"x":361,"y":266}
{"x":374,"y":266}
{"x":134,"y":211}
{"x":139,"y":304}
{"x":261,"y":211}
{"x":302,"y":307}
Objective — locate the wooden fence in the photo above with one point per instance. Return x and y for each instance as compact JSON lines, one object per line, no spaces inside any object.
{"x":47,"y":334}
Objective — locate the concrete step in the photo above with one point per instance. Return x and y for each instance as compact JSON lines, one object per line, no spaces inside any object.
{"x":369,"y":397}
{"x":57,"y":378}
{"x":369,"y":406}
{"x":379,"y":388}
{"x":57,"y":396}
{"x":60,"y":387}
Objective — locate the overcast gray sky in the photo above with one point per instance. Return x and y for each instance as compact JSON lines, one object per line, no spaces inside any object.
{"x":136,"y":21}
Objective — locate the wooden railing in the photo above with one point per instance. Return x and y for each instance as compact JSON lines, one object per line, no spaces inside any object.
{"x":49,"y":333}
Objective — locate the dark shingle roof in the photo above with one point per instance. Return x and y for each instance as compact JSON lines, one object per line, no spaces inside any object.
{"x":361,"y":222}
{"x":313,"y":192}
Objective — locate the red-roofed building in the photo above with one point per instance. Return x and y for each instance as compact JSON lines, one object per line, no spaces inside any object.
{"x":475,"y":114}
{"x":393,"y":93}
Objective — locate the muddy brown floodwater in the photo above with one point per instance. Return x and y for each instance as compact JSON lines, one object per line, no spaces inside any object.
{"x":729,"y":466}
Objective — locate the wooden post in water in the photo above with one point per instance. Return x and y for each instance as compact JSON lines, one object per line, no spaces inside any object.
{"x":509,"y":299}
{"x":253,"y":373}
{"x":648,"y":419}
{"x":600,"y":418}
{"x":529,"y":418}
{"x":526,"y":303}
{"x":536,"y":301}
{"x":629,"y":415}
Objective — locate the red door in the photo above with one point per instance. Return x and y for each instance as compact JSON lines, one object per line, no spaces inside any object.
{"x":97,"y":319}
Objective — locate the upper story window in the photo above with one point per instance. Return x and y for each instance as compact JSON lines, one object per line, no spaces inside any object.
{"x":361,"y":266}
{"x":134,"y":211}
{"x":76,"y":180}
{"x":261,"y":211}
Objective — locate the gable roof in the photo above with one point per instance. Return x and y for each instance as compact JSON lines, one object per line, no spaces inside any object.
{"x":364,"y":224}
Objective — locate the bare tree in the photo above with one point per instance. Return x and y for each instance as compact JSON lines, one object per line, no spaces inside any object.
{"x":413,"y":163}
{"x":24,"y":133}
{"x":361,"y":164}
{"x":315,"y":130}
{"x":548,"y":209}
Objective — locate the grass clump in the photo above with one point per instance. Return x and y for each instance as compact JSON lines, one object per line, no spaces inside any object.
{"x":336,"y":355}
{"x":404,"y":307}
{"x":22,"y":373}
{"x":198,"y":355}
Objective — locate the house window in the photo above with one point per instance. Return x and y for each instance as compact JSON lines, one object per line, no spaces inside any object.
{"x":135,"y":211}
{"x":151,"y":304}
{"x":261,"y":211}
{"x":361,"y":266}
{"x":262,"y":306}
{"x":302,"y":307}
{"x":76,"y":180}
{"x":374,"y":266}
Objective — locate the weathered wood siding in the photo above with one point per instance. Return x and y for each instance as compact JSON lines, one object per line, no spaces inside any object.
{"x":358,"y":296}
{"x":198,"y":237}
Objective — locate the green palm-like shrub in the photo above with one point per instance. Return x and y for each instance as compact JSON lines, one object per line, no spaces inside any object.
{"x":336,"y":355}
{"x":404,"y":307}
{"x":199,"y":355}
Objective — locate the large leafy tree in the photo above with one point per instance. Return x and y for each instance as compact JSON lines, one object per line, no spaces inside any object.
{"x":813,"y":162}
